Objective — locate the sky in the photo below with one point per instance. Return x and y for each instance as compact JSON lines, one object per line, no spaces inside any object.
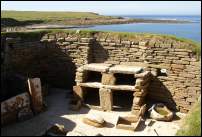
{"x":109,"y":7}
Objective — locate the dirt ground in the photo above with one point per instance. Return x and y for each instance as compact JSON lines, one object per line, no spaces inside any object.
{"x":58,"y":112}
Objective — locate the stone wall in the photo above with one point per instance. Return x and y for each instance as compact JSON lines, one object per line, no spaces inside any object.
{"x":47,"y":61}
{"x":179,"y":87}
{"x":58,"y":55}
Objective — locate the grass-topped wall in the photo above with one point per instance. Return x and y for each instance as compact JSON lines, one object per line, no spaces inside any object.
{"x":36,"y":35}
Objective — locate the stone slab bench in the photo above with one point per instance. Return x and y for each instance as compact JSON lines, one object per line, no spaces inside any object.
{"x":125,"y":69}
{"x":100,"y":67}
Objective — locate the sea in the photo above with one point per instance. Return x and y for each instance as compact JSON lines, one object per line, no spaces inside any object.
{"x":183,"y":30}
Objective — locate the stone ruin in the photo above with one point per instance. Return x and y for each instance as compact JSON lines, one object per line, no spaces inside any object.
{"x":139,"y":70}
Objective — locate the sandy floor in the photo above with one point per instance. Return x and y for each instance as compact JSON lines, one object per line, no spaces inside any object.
{"x":58,"y":113}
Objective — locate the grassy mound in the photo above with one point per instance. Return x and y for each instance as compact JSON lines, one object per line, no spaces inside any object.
{"x":192,"y":123}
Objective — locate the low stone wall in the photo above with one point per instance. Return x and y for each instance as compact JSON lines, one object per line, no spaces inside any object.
{"x":175,"y":68}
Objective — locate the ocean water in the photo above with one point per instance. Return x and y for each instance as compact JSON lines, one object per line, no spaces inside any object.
{"x":184,"y":30}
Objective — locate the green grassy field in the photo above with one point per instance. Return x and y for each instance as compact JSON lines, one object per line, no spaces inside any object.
{"x":48,"y":16}
{"x":192,"y":123}
{"x":21,"y":18}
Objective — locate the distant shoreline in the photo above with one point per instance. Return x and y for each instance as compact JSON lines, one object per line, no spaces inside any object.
{"x":76,"y":19}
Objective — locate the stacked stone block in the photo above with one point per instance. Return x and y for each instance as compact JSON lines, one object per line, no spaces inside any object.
{"x":141,"y":90}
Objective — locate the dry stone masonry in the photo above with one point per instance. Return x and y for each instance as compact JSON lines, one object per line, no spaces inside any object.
{"x":109,"y":79}
{"x":175,"y":69}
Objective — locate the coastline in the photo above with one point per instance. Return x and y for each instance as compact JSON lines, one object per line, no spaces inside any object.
{"x":80,"y":23}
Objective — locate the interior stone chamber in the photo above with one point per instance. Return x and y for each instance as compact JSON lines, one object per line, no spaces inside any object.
{"x":67,"y":60}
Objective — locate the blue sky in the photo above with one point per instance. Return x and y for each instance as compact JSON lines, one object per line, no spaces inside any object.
{"x":110,"y":7}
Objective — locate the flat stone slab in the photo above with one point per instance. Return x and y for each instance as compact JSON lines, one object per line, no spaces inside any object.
{"x":120,"y":87}
{"x":114,"y":87}
{"x":100,"y":67}
{"x":91,"y":84}
{"x":127,"y":123}
{"x":125,"y":69}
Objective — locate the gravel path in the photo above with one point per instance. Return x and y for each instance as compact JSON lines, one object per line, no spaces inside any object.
{"x":58,"y":113}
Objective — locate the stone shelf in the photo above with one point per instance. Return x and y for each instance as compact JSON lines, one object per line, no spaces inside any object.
{"x":100,"y":67}
{"x":91,"y":84}
{"x":120,"y":87}
{"x":113,"y":87}
{"x":125,"y":69}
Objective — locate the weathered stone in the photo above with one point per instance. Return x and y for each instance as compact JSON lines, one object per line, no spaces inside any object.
{"x":126,"y":42}
{"x":181,"y":62}
{"x":139,"y":82}
{"x":78,"y":91}
{"x":106,"y":99}
{"x":125,"y":69}
{"x":108,"y":79}
{"x":138,"y":100}
{"x":128,"y":123}
{"x":182,"y":53}
{"x":68,"y":39}
{"x":140,"y":94}
{"x":86,"y":39}
{"x":100,"y":67}
{"x":161,"y":113}
{"x":177,"y":66}
{"x":112,"y":44}
{"x":94,"y":120}
{"x":35,"y":91}
{"x":11,"y":107}
{"x":191,"y":100}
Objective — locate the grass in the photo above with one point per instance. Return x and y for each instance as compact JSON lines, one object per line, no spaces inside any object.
{"x":23,"y":18}
{"x":48,"y":16}
{"x":26,"y":36}
{"x":192,"y":123}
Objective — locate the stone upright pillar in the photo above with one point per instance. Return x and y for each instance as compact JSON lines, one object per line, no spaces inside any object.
{"x":78,"y":91}
{"x":108,"y":79}
{"x":35,"y":91}
{"x":106,"y":99}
